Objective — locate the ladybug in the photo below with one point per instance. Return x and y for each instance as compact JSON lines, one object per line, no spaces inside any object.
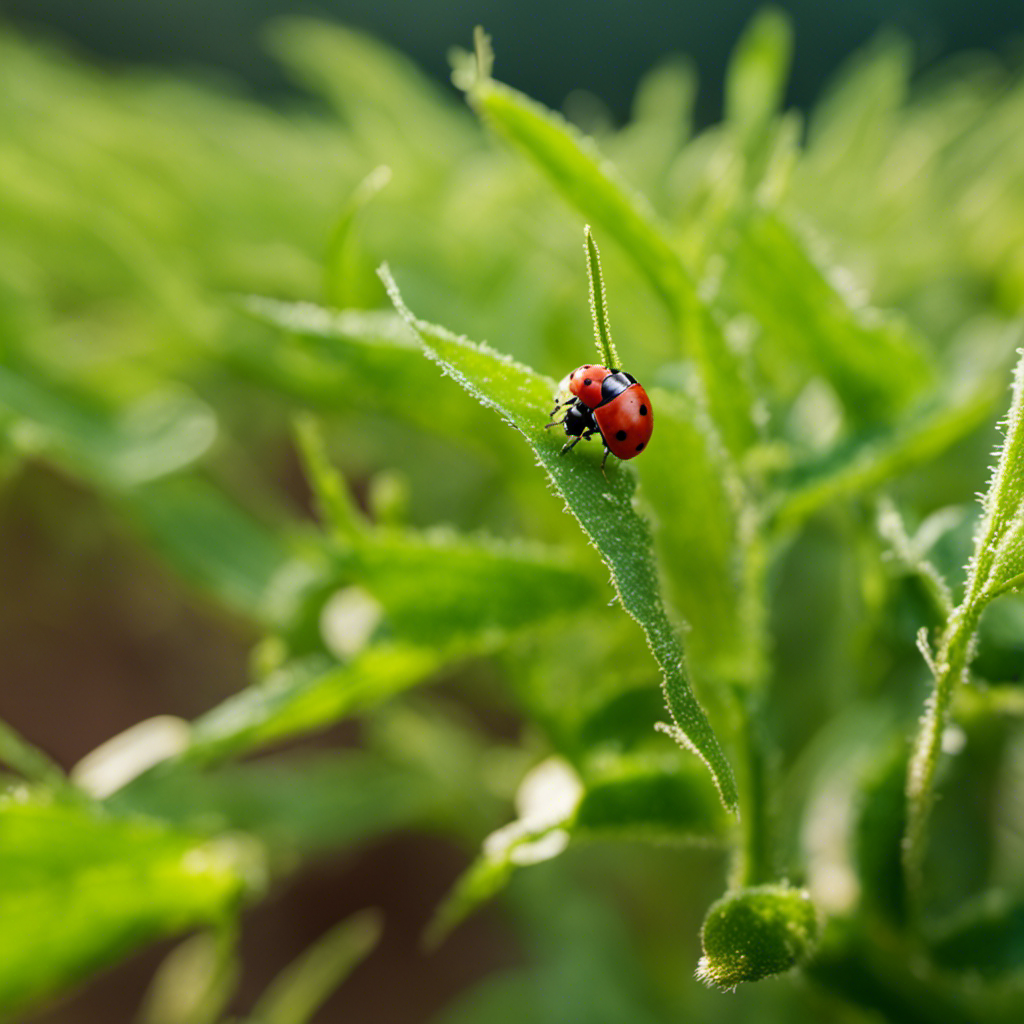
{"x":606,"y":402}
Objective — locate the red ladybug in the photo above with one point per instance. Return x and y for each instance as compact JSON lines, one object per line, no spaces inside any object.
{"x":609,"y":403}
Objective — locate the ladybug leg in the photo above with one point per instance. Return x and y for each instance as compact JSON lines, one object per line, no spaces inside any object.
{"x":559,"y":405}
{"x":571,"y":444}
{"x":607,"y":452}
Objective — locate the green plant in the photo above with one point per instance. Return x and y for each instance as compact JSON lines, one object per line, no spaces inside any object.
{"x":825,"y":321}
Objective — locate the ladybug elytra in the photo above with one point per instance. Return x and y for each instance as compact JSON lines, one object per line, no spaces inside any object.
{"x":606,"y":402}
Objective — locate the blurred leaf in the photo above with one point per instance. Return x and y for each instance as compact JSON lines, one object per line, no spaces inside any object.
{"x":210,"y":540}
{"x":81,"y":889}
{"x":700,"y":511}
{"x":302,"y":698}
{"x":464,"y":586}
{"x":756,"y":79}
{"x":859,"y":466}
{"x":32,"y":763}
{"x":294,"y":996}
{"x":546,"y":801}
{"x":878,"y":835}
{"x":805,"y":320}
{"x":593,"y":187}
{"x":390,"y":107}
{"x":195,"y":982}
{"x":335,"y":504}
{"x":345,"y":798}
{"x":985,"y":936}
{"x":649,"y":798}
{"x":603,"y":507}
{"x":852,"y":123}
{"x":484,"y":879}
{"x":339,"y":285}
{"x":119,"y":448}
{"x":354,"y":360}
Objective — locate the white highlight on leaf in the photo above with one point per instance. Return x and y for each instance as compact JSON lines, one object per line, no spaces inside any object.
{"x":348,"y":621}
{"x":547,"y":798}
{"x":112,"y":765}
{"x":831,"y":878}
{"x":954,"y":739}
{"x":549,"y":793}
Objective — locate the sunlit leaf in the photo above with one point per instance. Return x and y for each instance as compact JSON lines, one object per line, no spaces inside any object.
{"x":592,"y":185}
{"x":297,"y":992}
{"x":81,"y":889}
{"x":603,"y":507}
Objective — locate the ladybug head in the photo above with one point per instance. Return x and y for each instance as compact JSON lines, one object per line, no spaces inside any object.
{"x":585,"y":383}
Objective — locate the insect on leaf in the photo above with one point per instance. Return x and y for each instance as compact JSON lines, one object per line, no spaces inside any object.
{"x":603,"y":507}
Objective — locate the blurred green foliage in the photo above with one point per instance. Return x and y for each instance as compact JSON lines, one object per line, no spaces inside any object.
{"x":825,"y":317}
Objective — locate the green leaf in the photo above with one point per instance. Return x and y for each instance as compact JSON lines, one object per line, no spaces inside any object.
{"x":635,"y":798}
{"x":80,"y":889}
{"x":119,"y":448}
{"x":754,"y":933}
{"x":699,"y":506}
{"x":996,"y":567}
{"x":34,"y":764}
{"x":210,"y":540}
{"x":355,"y":360}
{"x":649,"y":798}
{"x":345,"y":798}
{"x":298,"y":991}
{"x":985,"y":935}
{"x":393,"y":111}
{"x":466,"y":587}
{"x":302,"y":698}
{"x":805,"y":320}
{"x":758,"y":70}
{"x":602,"y":505}
{"x":335,"y":503}
{"x":340,"y":270}
{"x":861,"y":466}
{"x":195,"y":981}
{"x":574,"y":167}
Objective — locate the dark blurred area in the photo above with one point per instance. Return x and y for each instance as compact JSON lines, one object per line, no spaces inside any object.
{"x":547,"y":50}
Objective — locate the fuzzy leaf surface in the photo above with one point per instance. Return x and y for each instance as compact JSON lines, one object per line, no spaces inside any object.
{"x":604,"y":508}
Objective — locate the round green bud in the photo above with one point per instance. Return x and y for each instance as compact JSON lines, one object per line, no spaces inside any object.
{"x":754,"y":933}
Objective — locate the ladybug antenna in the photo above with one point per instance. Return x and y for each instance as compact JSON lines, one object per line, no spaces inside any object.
{"x":598,"y":302}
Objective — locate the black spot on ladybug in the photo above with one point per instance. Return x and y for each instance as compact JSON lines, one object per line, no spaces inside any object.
{"x":588,"y":382}
{"x":643,"y":410}
{"x":621,"y":435}
{"x":640,"y":446}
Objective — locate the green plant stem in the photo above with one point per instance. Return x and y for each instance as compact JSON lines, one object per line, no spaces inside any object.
{"x":949,"y":667}
{"x":755,"y":863}
{"x":598,"y":304}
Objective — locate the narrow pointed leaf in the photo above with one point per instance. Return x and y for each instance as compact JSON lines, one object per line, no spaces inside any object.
{"x":299,"y":990}
{"x":603,"y":506}
{"x":592,"y":185}
{"x":299,"y":699}
{"x":758,"y":69}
